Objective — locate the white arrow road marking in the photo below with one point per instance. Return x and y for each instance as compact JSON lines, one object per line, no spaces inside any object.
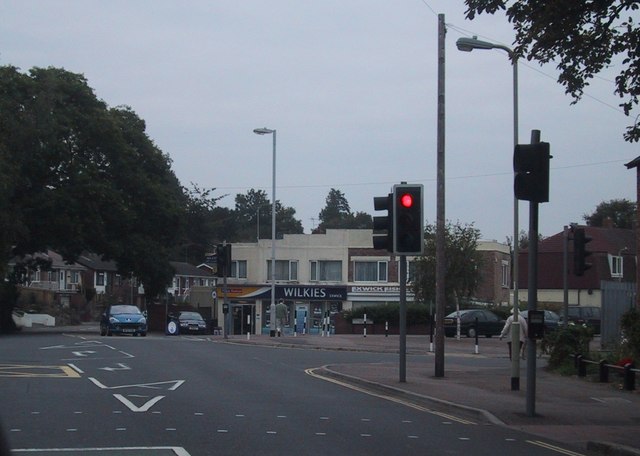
{"x":111,"y":369}
{"x":84,"y":353}
{"x":176,"y":384}
{"x":143,"y":408}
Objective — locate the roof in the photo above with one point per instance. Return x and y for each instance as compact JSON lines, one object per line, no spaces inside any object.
{"x":97,"y":262}
{"x":604,"y":240}
{"x":189,"y":270}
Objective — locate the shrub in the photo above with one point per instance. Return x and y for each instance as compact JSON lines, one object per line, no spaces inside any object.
{"x":563,"y":343}
{"x":630,"y":326}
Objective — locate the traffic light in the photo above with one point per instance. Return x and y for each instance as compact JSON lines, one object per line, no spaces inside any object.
{"x":383,"y":226}
{"x":408,"y":231}
{"x":531,"y":167}
{"x":223,"y":260}
{"x":580,"y":253}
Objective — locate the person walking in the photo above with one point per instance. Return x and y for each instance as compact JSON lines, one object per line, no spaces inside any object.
{"x":506,"y":332}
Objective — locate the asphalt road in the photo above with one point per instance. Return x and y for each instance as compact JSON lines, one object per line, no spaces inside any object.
{"x":75,"y":394}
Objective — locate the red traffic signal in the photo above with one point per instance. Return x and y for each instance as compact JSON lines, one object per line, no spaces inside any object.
{"x":406,"y":200}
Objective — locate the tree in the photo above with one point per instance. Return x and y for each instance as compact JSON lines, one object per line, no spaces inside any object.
{"x":79,"y":176}
{"x":253,"y":217}
{"x":621,"y":212}
{"x":462,"y":268}
{"x":583,"y":37}
{"x":337,"y":214}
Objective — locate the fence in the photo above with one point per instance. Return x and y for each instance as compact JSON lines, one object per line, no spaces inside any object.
{"x":628,"y":371}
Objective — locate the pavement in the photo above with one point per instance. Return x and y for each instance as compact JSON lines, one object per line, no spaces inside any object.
{"x":595,"y":418}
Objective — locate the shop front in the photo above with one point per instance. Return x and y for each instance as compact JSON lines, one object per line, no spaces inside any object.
{"x":303,"y":309}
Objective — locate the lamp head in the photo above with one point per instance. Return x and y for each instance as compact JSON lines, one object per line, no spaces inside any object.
{"x":469,"y":44}
{"x":263,"y":131}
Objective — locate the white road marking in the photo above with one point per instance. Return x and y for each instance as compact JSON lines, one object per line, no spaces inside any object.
{"x":178,"y":451}
{"x":143,"y":408}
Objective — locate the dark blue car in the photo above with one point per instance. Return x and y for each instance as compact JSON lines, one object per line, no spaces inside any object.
{"x":123,"y":319}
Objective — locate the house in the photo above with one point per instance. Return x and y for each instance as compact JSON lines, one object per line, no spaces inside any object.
{"x":58,"y":284}
{"x":612,"y":258}
{"x":494,"y":287}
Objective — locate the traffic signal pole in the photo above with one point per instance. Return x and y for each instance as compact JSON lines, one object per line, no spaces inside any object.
{"x":403,"y":319}
{"x":532,"y":295}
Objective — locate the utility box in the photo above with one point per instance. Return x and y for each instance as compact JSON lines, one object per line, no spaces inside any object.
{"x":535,"y":324}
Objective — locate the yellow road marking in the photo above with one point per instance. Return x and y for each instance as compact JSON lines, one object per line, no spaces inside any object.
{"x":386,"y":397}
{"x":554,"y":448}
{"x":31,"y":371}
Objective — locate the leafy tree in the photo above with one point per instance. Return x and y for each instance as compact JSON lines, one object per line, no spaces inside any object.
{"x":462,"y":268}
{"x":81,"y":176}
{"x":253,"y":216}
{"x":583,"y":37}
{"x":523,"y":239}
{"x":621,"y":212}
{"x":337,"y":214}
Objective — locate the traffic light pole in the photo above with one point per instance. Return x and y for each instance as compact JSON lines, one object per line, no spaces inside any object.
{"x":403,"y":318}
{"x":532,"y":298}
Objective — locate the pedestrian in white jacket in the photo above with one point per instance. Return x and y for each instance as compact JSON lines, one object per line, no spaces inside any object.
{"x":506,"y":332}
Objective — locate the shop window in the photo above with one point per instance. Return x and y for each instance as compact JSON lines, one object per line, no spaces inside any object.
{"x":370,"y":271}
{"x":326,"y":271}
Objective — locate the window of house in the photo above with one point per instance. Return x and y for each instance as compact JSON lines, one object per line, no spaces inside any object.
{"x":506,"y":282}
{"x":370,"y":271}
{"x":285,"y":270}
{"x":616,"y":266}
{"x":100,"y":279}
{"x":326,"y":271}
{"x":75,"y":277}
{"x":239,"y":269}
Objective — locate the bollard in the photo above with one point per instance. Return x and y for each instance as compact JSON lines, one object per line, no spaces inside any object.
{"x":604,"y":371}
{"x":476,"y":326}
{"x":364,"y":331}
{"x":582,"y":367}
{"x":629,"y":377}
{"x":386,"y":329}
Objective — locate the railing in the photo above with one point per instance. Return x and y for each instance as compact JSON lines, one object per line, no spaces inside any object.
{"x":628,"y":371}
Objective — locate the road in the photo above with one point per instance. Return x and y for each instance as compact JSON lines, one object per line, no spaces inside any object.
{"x":69,"y":394}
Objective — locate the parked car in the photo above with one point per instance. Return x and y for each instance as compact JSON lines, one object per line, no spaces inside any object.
{"x":551,"y":319}
{"x":191,"y":322}
{"x":489,"y":324}
{"x":123,"y":319}
{"x":587,"y":315}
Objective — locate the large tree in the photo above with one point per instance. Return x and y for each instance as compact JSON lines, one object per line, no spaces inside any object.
{"x":77,"y":175}
{"x":582,"y":38}
{"x":337,"y":214}
{"x":253,"y":217}
{"x":621,"y":212}
{"x":463,"y":264}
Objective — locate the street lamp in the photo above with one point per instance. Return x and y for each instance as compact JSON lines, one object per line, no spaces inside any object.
{"x":467,"y":45}
{"x":272,"y":307}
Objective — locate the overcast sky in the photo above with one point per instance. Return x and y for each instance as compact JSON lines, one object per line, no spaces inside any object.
{"x":351,"y":88}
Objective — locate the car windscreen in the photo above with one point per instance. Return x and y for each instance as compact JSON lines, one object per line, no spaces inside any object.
{"x":124,"y":309}
{"x":190,"y":316}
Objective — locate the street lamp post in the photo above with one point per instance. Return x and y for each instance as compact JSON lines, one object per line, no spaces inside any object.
{"x":467,"y":45}
{"x":272,"y":307}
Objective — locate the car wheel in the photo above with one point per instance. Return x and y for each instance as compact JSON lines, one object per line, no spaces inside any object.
{"x":109,"y":333}
{"x":143,"y":334}
{"x":471,"y":332}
